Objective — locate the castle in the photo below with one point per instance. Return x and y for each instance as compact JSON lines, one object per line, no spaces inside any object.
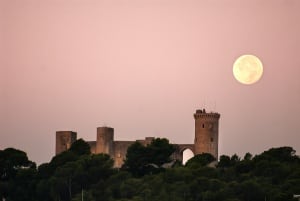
{"x":205,"y":141}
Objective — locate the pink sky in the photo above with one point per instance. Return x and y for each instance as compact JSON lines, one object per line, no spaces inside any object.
{"x":144,"y":67}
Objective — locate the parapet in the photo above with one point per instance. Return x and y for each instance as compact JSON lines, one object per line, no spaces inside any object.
{"x":105,"y":129}
{"x":107,"y":133}
{"x":203,"y":114}
{"x":66,"y":136}
{"x":149,"y":139}
{"x":146,"y":141}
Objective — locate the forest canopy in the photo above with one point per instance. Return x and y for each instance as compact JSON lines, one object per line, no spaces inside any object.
{"x":273,"y":175}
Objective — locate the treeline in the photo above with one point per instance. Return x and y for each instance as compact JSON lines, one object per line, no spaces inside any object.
{"x":149,"y":174}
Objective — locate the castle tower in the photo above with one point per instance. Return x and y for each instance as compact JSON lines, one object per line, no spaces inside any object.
{"x":206,"y":132}
{"x":105,"y":139}
{"x":64,"y":140}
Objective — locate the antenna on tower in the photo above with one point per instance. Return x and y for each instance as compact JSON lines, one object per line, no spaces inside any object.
{"x":202,"y":104}
{"x":215,"y":106}
{"x":210,"y":105}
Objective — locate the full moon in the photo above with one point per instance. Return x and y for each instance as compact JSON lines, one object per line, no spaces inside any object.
{"x":247,"y":69}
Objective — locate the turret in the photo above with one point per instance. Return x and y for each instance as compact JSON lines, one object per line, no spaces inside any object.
{"x":105,"y":138}
{"x":206,"y":132}
{"x":64,"y":140}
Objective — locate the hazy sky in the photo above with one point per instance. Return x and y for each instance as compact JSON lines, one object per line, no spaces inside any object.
{"x":143,"y":67}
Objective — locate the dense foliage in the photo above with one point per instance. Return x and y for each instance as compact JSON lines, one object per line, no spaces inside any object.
{"x":273,"y":175}
{"x":141,"y":160}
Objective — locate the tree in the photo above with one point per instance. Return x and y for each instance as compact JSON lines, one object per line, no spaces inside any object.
{"x":135,"y":158}
{"x":63,"y":180}
{"x":86,"y":195}
{"x":248,"y":156}
{"x":200,"y":160}
{"x":16,"y":174}
{"x":281,"y":154}
{"x":273,"y":175}
{"x":130,"y":188}
{"x":70,"y":178}
{"x":77,"y":149}
{"x":159,"y":151}
{"x":234,"y":159}
{"x":12,"y":160}
{"x":23,"y":185}
{"x":98,"y":167}
{"x":141,"y":160}
{"x":61,"y":159}
{"x":80,"y":147}
{"x":224,"y":161}
{"x":250,"y":190}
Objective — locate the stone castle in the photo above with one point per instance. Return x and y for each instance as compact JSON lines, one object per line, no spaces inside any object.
{"x":205,"y":141}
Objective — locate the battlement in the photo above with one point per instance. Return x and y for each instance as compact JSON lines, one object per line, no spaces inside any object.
{"x":202,"y":114}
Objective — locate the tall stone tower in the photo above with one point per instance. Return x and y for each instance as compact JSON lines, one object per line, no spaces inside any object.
{"x":206,"y":132}
{"x":64,"y":140}
{"x":105,"y":140}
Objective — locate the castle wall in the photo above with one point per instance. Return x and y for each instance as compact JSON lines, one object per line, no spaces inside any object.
{"x":92,"y":146}
{"x":120,"y":150}
{"x":146,"y":141}
{"x":64,"y":139}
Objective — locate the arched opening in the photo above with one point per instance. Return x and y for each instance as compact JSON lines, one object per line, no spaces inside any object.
{"x":187,"y":154}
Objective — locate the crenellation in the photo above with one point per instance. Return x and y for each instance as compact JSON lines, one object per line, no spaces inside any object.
{"x":207,"y":115}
